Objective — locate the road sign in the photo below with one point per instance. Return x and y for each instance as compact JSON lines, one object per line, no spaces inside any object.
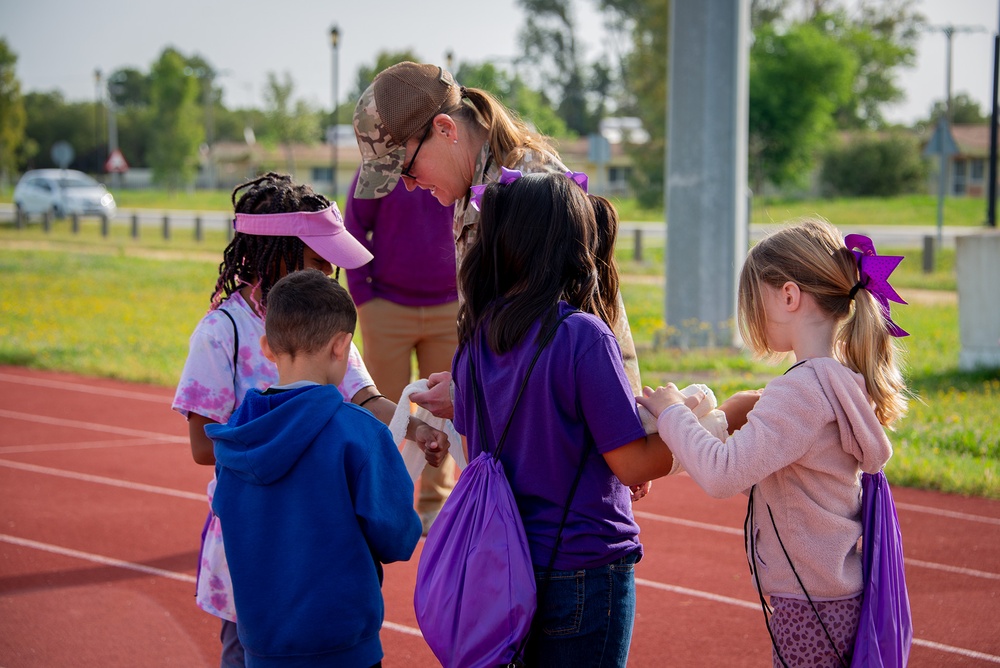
{"x":598,"y":149}
{"x":62,"y":154}
{"x":941,"y":142}
{"x":116,"y":163}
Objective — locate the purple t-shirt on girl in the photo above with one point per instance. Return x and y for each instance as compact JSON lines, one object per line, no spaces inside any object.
{"x":577,"y":397}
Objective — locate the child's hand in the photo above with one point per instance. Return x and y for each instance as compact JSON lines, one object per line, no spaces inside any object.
{"x":433,"y":442}
{"x":639,"y":491}
{"x":437,"y":398}
{"x":657,"y":401}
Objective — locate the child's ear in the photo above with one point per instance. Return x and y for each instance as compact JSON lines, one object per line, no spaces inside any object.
{"x":791,"y":295}
{"x":266,"y":349}
{"x":340,"y":345}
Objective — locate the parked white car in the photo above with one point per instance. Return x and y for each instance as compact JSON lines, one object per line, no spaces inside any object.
{"x":62,"y":192}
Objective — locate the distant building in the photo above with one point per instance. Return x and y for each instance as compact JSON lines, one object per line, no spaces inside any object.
{"x":968,"y":169}
{"x":313,"y":163}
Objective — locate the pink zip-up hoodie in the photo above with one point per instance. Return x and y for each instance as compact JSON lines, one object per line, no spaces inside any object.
{"x":806,"y":442}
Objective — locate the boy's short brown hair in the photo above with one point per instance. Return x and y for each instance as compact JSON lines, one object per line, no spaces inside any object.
{"x":305,"y":310}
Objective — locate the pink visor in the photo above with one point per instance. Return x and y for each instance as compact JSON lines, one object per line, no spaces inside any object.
{"x":323,"y":231}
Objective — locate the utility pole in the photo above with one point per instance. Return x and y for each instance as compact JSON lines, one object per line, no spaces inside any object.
{"x":98,"y":96}
{"x":944,"y":123}
{"x":991,"y":191}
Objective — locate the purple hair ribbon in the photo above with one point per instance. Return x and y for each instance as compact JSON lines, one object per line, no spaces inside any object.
{"x":579,"y":178}
{"x":506,"y":176}
{"x":874,"y":270}
{"x":511,"y":175}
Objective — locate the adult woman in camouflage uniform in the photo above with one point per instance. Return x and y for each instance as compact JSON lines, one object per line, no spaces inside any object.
{"x":416,"y":124}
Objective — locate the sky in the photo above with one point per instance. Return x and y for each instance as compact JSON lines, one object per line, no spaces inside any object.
{"x":60,"y":43}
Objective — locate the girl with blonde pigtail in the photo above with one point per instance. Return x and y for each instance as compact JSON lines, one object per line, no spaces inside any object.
{"x":812,"y":441}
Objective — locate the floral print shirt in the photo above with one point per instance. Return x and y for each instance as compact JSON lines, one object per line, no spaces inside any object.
{"x":210,"y":386}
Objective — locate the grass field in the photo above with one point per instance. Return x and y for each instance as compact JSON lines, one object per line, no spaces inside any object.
{"x":123,"y":308}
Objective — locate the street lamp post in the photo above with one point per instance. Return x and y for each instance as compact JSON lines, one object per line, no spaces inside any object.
{"x":98,"y":96}
{"x":334,"y":42}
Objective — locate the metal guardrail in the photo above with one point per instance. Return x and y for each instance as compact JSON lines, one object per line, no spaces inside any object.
{"x":167,"y":221}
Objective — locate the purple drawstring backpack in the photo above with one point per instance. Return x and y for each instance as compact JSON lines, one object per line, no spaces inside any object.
{"x":885,"y":631}
{"x":475,"y":594}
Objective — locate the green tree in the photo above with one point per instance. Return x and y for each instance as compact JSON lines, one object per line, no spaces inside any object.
{"x":881,"y":36}
{"x":533,"y":107}
{"x":874,"y":165}
{"x":646,"y":68}
{"x":12,"y":116}
{"x":367,"y":73}
{"x":128,"y":87}
{"x":964,"y":111}
{"x":173,"y":150}
{"x":549,"y":42}
{"x":50,"y":119}
{"x":798,"y":79}
{"x":288,"y":122}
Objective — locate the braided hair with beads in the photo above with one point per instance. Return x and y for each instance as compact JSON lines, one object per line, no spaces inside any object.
{"x":259,"y":261}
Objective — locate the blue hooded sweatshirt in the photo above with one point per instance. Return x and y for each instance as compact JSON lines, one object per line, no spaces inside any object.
{"x":313,"y":497}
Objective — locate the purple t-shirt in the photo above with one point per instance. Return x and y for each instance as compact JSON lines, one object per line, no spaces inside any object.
{"x":577,"y":397}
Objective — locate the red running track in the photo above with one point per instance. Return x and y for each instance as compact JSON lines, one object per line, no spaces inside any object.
{"x":101,"y":508}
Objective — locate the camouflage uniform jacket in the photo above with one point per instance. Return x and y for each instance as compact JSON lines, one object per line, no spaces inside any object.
{"x":467,"y":222}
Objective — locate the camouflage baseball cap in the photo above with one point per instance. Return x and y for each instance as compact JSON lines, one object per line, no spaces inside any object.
{"x":399,"y":103}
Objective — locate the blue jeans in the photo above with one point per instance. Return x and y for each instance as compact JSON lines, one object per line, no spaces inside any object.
{"x":584,"y":617}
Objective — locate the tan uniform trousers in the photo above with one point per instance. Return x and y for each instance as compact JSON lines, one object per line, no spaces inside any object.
{"x":390,"y":334}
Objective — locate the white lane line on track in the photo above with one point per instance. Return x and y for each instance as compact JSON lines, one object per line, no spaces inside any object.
{"x":149,"y":570}
{"x":145,"y":396}
{"x":697,"y":593}
{"x":951,"y":569}
{"x":399,"y":628}
{"x":78,"y":445}
{"x":969,"y":572}
{"x":113,"y":482}
{"x":96,"y":558}
{"x":641,"y":514}
{"x":409,"y":630}
{"x":970,"y":653}
{"x":86,"y":389}
{"x":947,"y":513}
{"x":93,"y":426}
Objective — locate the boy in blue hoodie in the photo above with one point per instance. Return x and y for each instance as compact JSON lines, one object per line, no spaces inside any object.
{"x":312,"y":494}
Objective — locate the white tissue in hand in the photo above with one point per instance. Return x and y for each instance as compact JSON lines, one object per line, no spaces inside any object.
{"x":710,"y":417}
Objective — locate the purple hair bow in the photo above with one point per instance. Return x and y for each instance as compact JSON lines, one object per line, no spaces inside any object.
{"x":511,"y":175}
{"x":874,"y":270}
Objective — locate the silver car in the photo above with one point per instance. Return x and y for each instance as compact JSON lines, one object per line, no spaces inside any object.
{"x":62,"y":192}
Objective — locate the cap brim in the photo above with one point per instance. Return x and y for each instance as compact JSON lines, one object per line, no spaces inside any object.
{"x":340,"y":249}
{"x":379,"y":176}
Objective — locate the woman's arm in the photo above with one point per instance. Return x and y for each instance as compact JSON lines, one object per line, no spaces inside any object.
{"x":432,"y":441}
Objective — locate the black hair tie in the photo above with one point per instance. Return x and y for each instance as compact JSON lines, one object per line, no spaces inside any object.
{"x":857,"y":286}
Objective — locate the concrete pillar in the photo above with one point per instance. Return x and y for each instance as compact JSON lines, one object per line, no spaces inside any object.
{"x":706,"y":185}
{"x":977,"y":263}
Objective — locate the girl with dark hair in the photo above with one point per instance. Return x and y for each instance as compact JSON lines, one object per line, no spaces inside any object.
{"x":531,"y":270}
{"x":281,"y":227}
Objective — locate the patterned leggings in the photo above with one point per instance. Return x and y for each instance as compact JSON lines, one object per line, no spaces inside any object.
{"x":800,"y":637}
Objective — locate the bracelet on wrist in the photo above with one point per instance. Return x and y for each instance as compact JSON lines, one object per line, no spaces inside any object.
{"x":374,"y":396}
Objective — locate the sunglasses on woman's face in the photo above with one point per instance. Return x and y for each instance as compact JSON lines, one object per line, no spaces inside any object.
{"x":409,"y":166}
